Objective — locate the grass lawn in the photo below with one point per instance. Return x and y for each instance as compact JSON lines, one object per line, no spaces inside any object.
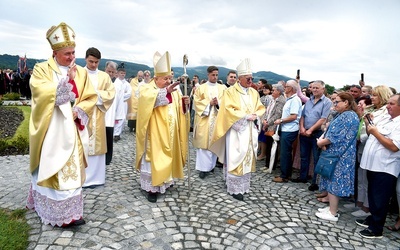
{"x":23,"y":129}
{"x":14,"y":230}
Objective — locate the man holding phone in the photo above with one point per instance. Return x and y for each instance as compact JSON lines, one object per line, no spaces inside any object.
{"x":381,"y":159}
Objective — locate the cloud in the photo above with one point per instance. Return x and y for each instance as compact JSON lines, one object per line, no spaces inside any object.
{"x":330,"y":40}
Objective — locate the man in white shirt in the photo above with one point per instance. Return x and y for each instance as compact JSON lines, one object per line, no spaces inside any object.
{"x":381,"y":159}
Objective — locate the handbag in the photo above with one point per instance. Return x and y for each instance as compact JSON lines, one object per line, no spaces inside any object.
{"x":327,"y":163}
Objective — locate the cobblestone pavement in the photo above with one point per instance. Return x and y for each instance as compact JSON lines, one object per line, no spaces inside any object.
{"x":118,"y":215}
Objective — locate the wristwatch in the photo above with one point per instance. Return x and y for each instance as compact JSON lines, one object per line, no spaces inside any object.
{"x":281,"y":120}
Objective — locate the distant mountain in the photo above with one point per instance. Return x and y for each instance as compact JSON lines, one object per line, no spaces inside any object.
{"x":10,"y":62}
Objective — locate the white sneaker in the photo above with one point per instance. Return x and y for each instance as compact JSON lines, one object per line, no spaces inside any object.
{"x":323,"y":209}
{"x":350,"y":205}
{"x":326,"y":215}
{"x":360,"y":213}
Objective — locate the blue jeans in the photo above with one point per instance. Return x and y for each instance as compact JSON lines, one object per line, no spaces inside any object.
{"x":380,"y":189}
{"x":286,"y":140}
{"x":308,"y":145}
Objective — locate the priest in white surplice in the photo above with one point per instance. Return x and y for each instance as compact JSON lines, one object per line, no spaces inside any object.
{"x":96,"y":169}
{"x":206,"y":101}
{"x":235,"y":137}
{"x":123,"y":93}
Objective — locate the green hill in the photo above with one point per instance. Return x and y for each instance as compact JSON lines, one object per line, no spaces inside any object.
{"x":10,"y":62}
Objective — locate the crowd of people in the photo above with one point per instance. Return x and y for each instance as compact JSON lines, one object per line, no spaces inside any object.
{"x":12,"y":81}
{"x":233,"y":124}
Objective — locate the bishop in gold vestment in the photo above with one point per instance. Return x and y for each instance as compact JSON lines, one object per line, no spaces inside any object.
{"x":62,"y":102}
{"x":235,"y":138}
{"x":162,"y":131}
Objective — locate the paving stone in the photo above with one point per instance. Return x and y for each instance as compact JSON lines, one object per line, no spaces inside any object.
{"x":118,"y":215}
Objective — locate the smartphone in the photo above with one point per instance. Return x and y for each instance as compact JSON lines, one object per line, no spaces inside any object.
{"x":362,"y":76}
{"x":298,"y":74}
{"x":369,"y":119}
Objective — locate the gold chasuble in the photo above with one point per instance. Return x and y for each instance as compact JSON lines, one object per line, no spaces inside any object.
{"x":57,"y":148}
{"x":242,"y":144}
{"x":162,"y":135}
{"x":133,"y":100}
{"x":97,"y":124}
{"x":204,"y":125}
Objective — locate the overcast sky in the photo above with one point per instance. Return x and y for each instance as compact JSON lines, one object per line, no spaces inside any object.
{"x":332,"y":40}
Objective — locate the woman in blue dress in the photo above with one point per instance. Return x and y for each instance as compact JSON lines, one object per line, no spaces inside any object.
{"x":340,"y":139}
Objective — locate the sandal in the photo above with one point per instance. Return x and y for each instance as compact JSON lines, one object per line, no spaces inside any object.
{"x":321,"y":195}
{"x":393,"y":228}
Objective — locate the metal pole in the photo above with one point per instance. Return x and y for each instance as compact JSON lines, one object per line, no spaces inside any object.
{"x":185,"y":76}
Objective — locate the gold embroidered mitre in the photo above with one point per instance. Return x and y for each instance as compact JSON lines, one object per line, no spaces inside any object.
{"x":61,"y":36}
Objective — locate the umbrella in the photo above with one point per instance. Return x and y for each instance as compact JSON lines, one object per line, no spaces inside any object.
{"x":273,"y":149}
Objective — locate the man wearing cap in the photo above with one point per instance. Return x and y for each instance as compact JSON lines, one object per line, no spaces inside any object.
{"x":63,"y":99}
{"x":206,"y":102}
{"x":123,"y":93}
{"x":162,"y":130}
{"x":235,"y":138}
{"x":96,"y":170}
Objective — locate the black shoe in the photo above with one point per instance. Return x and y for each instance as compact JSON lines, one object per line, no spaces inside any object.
{"x":202,"y":175}
{"x":362,"y":223}
{"x":74,"y":223}
{"x":367,"y":233}
{"x":152,"y":197}
{"x":298,"y":180}
{"x":313,"y":187}
{"x":238,"y":196}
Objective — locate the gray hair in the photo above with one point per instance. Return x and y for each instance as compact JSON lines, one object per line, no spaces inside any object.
{"x":279,"y":87}
{"x":321,"y":82}
{"x":112,"y":64}
{"x":293,"y":84}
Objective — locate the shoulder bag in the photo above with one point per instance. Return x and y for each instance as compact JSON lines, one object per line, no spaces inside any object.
{"x":327,"y":163}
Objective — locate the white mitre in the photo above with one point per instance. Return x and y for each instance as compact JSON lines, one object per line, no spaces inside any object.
{"x":162,"y":64}
{"x":244,"y":68}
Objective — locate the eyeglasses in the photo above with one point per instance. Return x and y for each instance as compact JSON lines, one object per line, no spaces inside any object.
{"x":336,"y":102}
{"x":249,"y":79}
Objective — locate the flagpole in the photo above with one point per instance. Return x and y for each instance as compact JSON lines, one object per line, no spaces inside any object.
{"x":187,"y":106}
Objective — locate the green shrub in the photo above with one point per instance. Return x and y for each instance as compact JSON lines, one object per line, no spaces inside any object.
{"x":11,"y":96}
{"x":15,"y":146}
